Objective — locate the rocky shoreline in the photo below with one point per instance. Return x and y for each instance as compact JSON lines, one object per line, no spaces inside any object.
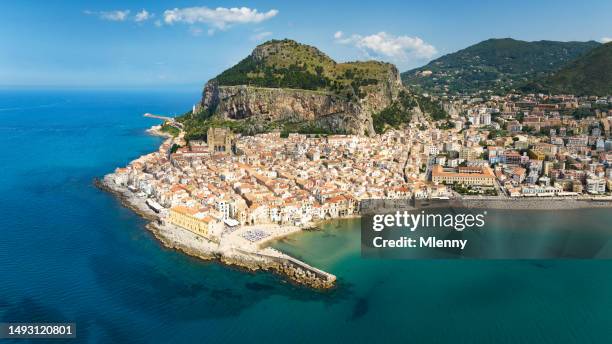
{"x":156,"y":130}
{"x":180,"y":239}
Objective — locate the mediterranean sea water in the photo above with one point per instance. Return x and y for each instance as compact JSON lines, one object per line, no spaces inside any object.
{"x":72,"y":253}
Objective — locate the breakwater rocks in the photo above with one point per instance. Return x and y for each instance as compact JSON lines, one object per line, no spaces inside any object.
{"x":251,"y":258}
{"x":272,"y":260}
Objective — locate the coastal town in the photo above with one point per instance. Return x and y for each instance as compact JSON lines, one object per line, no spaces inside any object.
{"x":241,"y":192}
{"x":529,"y":145}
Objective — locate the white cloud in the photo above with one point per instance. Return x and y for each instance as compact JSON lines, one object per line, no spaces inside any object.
{"x":219,"y":18}
{"x":261,"y":35}
{"x":119,"y":15}
{"x":606,"y":39}
{"x":143,"y":15}
{"x":384,"y":45}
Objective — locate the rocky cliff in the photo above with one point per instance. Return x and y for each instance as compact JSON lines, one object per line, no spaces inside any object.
{"x":277,"y":104}
{"x":287,"y":82}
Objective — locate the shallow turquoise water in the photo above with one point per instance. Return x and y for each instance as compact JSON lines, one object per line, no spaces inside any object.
{"x":461,"y":301}
{"x":69,"y":252}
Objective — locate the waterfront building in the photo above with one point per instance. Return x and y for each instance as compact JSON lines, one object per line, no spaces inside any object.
{"x":194,"y":220}
{"x":475,"y":175}
{"x":121,"y":176}
{"x":539,"y":190}
{"x":596,"y":185}
{"x":577,"y":186}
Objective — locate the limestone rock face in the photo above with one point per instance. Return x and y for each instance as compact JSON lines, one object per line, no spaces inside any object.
{"x":283,"y":80}
{"x":326,"y":109}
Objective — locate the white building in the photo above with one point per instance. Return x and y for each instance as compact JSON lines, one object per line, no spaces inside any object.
{"x":596,"y":185}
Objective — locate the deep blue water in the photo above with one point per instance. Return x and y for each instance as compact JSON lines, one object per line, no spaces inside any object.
{"x":69,"y":252}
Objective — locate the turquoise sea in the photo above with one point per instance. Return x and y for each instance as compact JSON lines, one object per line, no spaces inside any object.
{"x":69,"y":252}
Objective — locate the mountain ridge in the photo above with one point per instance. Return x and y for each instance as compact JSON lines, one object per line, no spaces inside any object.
{"x":590,"y":74}
{"x":494,"y":64}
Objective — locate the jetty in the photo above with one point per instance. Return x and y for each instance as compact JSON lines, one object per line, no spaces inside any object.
{"x":170,"y":120}
{"x":284,"y":264}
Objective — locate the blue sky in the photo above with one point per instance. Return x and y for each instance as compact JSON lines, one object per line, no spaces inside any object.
{"x":184,"y":43}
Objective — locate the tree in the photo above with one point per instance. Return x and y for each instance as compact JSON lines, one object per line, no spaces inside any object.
{"x":581,"y":113}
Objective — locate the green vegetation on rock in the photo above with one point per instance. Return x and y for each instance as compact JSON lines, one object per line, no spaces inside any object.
{"x":433,"y":108}
{"x":251,"y":72}
{"x":196,"y":128}
{"x":396,"y":114}
{"x":288,"y":64}
{"x":167,"y":128}
{"x":400,"y":111}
